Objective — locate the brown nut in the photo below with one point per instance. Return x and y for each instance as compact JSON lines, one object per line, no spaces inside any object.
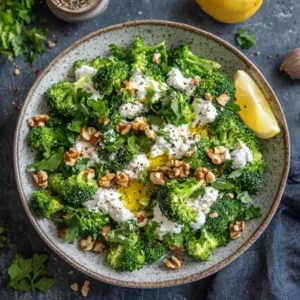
{"x":99,"y":247}
{"x":176,"y":249}
{"x":213,"y":214}
{"x":62,"y":232}
{"x":236,"y":229}
{"x":123,"y":128}
{"x":106,"y":122}
{"x":89,"y":173}
{"x":156,"y":58}
{"x":173,"y":262}
{"x":85,"y":288}
{"x":162,"y":169}
{"x":105,"y":230}
{"x":141,"y":218}
{"x":90,"y":134}
{"x":87,"y":244}
{"x":106,"y":180}
{"x":208,"y":96}
{"x":122,"y":179}
{"x":41,"y":179}
{"x":71,"y":156}
{"x":158,"y":178}
{"x":149,"y":134}
{"x":179,"y":169}
{"x":37,"y":121}
{"x":204,"y":175}
{"x":196,"y":80}
{"x":74,"y":287}
{"x":217,"y":154}
{"x":140,"y":123}
{"x":223,"y":99}
{"x":128,"y":86}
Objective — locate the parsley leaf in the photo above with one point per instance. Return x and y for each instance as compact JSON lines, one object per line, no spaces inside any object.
{"x":101,"y":110}
{"x":251,"y":212}
{"x":244,"y":197}
{"x":245,"y":39}
{"x":165,"y":134}
{"x":117,"y":52}
{"x":29,"y":274}
{"x":131,"y":145}
{"x":3,"y":239}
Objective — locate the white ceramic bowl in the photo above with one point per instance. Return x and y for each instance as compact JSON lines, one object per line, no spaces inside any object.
{"x":206,"y":45}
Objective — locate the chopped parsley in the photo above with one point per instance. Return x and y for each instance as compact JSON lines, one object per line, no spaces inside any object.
{"x":245,"y":38}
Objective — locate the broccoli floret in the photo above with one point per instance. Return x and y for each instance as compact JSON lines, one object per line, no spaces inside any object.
{"x":87,"y":222}
{"x":200,"y":247}
{"x":42,"y":138}
{"x":96,"y":63}
{"x":228,"y":210}
{"x":251,"y":181}
{"x":62,"y":96}
{"x":125,"y":252}
{"x":177,"y":239}
{"x":109,"y":78}
{"x":45,"y":205}
{"x":81,"y":62}
{"x":153,"y":248}
{"x":190,"y":64}
{"x":75,"y":189}
{"x":172,"y":199}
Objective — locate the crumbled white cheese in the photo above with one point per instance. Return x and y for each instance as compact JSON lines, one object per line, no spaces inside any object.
{"x":131,"y":109}
{"x":165,"y":225}
{"x":181,"y":141}
{"x":241,"y":156}
{"x":141,"y":83}
{"x":87,"y":150}
{"x":202,"y":206}
{"x":179,"y":82}
{"x":205,"y":112}
{"x":89,"y":72}
{"x":138,"y":164}
{"x":109,"y":201}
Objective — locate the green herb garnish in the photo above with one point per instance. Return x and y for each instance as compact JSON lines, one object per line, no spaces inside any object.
{"x":245,"y":38}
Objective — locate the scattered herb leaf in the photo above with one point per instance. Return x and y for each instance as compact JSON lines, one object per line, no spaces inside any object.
{"x":165,"y":134}
{"x":245,"y":39}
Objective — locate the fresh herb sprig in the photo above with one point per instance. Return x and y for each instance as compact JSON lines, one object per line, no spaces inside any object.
{"x":245,"y":38}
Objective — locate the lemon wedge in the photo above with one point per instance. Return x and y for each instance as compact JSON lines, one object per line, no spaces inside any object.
{"x":255,"y":109}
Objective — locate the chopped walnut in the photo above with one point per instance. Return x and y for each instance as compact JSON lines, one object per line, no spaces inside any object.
{"x":85,"y":288}
{"x":89,"y":173}
{"x":173,"y":262}
{"x":213,"y":214}
{"x":217,"y":154}
{"x":140,"y":123}
{"x":106,"y":122}
{"x":149,"y":134}
{"x":106,"y":180}
{"x":188,"y":154}
{"x":128,"y":86}
{"x":179,"y":169}
{"x":196,"y":80}
{"x":98,"y":247}
{"x":90,"y":134}
{"x":122,"y":179}
{"x":163,"y":169}
{"x":71,"y":156}
{"x":62,"y":232}
{"x":123,"y":128}
{"x":236,"y":229}
{"x":105,"y":230}
{"x":223,"y":99}
{"x":41,"y":179}
{"x":230,"y":195}
{"x":156,"y":58}
{"x":141,"y":218}
{"x":158,"y":178}
{"x":74,"y":287}
{"x":205,"y":176}
{"x":176,"y":249}
{"x":87,"y":244}
{"x":208,"y":96}
{"x":37,"y":121}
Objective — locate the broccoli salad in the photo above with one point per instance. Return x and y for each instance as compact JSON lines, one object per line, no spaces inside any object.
{"x":143,"y":157}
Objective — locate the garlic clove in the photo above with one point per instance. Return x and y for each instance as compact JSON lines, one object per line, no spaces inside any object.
{"x":291,"y":64}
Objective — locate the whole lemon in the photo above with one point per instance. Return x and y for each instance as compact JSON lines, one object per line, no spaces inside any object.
{"x":230,"y":11}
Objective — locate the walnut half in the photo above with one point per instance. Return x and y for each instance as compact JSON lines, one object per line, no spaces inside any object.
{"x":87,"y":244}
{"x":106,"y":180}
{"x":158,"y":178}
{"x":179,"y":169}
{"x":205,"y":176}
{"x":71,"y":156}
{"x":122,"y":179}
{"x":41,"y":179}
{"x":37,"y":121}
{"x":236,"y":229}
{"x":90,"y":134}
{"x":173,"y":262}
{"x":217,"y":154}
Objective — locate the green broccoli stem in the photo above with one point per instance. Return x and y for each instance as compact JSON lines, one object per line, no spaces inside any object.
{"x":187,"y":188}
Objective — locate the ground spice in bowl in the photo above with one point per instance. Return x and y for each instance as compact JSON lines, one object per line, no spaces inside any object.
{"x":72,"y":4}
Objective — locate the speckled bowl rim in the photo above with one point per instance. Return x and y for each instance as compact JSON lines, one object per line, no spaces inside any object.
{"x":224,"y":262}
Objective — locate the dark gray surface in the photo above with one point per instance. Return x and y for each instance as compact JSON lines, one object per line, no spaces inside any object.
{"x":277,"y":27}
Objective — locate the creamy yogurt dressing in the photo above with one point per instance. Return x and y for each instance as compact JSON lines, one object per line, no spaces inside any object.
{"x":179,"y":82}
{"x":182,"y":141}
{"x":241,"y":156}
{"x":202,"y":206}
{"x":141,"y":83}
{"x":205,"y":112}
{"x":138,"y":164}
{"x":89,"y":72}
{"x":131,"y":109}
{"x":87,"y":151}
{"x":165,"y":225}
{"x":109,"y":201}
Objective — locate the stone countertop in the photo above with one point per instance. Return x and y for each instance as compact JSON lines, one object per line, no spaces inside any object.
{"x":276,"y":26}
